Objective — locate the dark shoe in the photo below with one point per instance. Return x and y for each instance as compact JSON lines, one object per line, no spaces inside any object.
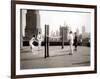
{"x":75,"y":49}
{"x":70,"y":54}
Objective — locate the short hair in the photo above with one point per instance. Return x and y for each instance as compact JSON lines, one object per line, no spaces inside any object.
{"x":39,"y":32}
{"x":70,"y":31}
{"x":75,"y":32}
{"x":33,"y":35}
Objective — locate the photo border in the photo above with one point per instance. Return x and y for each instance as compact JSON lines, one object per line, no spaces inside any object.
{"x":13,"y":38}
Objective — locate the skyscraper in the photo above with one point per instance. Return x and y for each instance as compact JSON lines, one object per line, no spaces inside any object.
{"x":64,"y":30}
{"x":29,"y":24}
{"x":77,"y":31}
{"x":83,"y":29}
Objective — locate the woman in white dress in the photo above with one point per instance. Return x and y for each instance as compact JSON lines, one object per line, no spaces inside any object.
{"x":71,"y":42}
{"x":31,"y":43}
{"x":39,"y":38}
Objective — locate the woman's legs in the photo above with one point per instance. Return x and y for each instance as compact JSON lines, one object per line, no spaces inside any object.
{"x":71,"y":48}
{"x":39,"y":45}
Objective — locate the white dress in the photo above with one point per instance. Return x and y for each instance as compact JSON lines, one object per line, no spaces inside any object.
{"x":71,"y":43}
{"x":31,"y":43}
{"x":39,"y":38}
{"x":71,"y":38}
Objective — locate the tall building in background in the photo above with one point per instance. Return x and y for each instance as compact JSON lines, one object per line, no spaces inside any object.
{"x":77,"y":31}
{"x":32,"y":24}
{"x":29,"y":24}
{"x":83,"y":29}
{"x":84,"y":33}
{"x":65,"y":30}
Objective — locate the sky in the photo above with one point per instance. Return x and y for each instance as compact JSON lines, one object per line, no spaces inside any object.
{"x":74,"y":20}
{"x":55,"y":19}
